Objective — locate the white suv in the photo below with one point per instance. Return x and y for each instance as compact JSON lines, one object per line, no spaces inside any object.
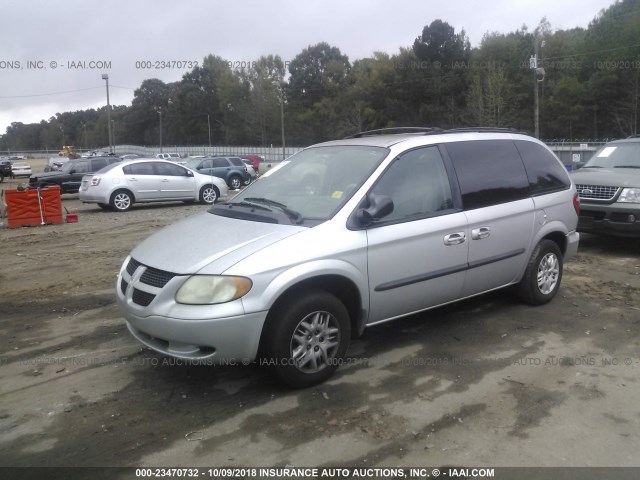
{"x":393,"y":224}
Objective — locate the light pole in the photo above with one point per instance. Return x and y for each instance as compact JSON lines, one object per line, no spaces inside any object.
{"x":113,"y":132}
{"x":282,"y":117}
{"x":159,"y":110}
{"x":84,"y":126}
{"x":106,"y":78}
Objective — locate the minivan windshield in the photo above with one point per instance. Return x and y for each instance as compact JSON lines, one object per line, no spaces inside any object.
{"x":617,"y":155}
{"x":313,"y":185}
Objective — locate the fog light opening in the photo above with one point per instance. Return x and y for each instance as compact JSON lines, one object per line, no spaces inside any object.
{"x":631,"y":218}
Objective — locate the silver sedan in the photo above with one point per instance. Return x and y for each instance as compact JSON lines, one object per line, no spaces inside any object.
{"x":120,"y":185}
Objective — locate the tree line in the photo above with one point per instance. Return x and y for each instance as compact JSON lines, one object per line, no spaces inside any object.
{"x":589,"y":89}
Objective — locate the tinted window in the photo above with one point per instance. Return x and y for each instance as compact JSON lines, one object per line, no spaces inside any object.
{"x":417,"y":183}
{"x":82,"y":166}
{"x":489,"y":172}
{"x":545,"y":172}
{"x":169,"y":169}
{"x":236,"y":161}
{"x":98,"y":163}
{"x":139,"y":169}
{"x":206,"y":164}
{"x":220,"y":162}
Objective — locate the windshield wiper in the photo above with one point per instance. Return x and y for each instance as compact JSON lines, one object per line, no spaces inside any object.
{"x":592,"y":166}
{"x":627,"y":166}
{"x":292,"y":214}
{"x":249,"y":204}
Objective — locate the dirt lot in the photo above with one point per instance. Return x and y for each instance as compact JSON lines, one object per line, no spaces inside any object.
{"x":486,"y":382}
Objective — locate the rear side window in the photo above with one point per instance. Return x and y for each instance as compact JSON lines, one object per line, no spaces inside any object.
{"x":490,"y":172}
{"x":220,"y":162}
{"x":236,"y":161}
{"x":169,"y":169}
{"x":139,"y":169}
{"x":98,"y":164}
{"x":543,"y":169}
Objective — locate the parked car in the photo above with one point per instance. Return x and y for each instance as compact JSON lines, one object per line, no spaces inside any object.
{"x":399,"y":224}
{"x":255,"y":161}
{"x":250,"y":170}
{"x":174,"y":157}
{"x":119,"y":186}
{"x":70,"y":174}
{"x":130,"y":156}
{"x":55,"y":163}
{"x":230,"y":169}
{"x":5,"y":169}
{"x":20,"y":169}
{"x":609,"y":189}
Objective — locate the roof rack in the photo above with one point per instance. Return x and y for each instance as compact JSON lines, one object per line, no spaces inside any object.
{"x":392,"y":130}
{"x":432,"y":131}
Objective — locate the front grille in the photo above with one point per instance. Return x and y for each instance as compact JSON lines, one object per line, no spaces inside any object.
{"x":597,"y":192}
{"x":155,"y":277}
{"x":142,"y":298}
{"x":123,"y":286}
{"x":132,"y":266}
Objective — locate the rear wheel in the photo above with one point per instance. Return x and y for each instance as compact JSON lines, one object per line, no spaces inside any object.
{"x":307,"y":337}
{"x":1,"y":177}
{"x":121,"y":201}
{"x":209,"y":194}
{"x":543,"y":275}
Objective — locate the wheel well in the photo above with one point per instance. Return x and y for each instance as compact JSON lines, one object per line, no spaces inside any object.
{"x":342,"y":288}
{"x":133,"y":197}
{"x":560,"y":239}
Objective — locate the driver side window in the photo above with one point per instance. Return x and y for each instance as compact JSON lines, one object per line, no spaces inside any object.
{"x":418,"y":184}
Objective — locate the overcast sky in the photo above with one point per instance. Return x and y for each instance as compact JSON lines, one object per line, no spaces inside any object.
{"x":51,"y":34}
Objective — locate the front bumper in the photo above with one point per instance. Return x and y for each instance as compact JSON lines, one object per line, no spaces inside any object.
{"x":218,"y":341}
{"x":219,"y":334}
{"x":610,"y":219}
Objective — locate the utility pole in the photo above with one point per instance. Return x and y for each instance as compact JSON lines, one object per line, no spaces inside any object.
{"x":106,"y":78}
{"x":282,"y":119}
{"x":209,"y":128}
{"x":538,"y":76}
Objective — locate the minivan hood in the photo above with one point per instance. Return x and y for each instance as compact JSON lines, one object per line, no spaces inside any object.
{"x":207,"y":240}
{"x":610,"y":177}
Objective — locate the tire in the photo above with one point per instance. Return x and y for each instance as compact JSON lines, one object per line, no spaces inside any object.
{"x":121,"y":201}
{"x":543,"y":274}
{"x":104,"y":206}
{"x":209,"y":194}
{"x":235,"y":182}
{"x":306,"y":338}
{"x":1,"y":177}
{"x":247,"y":182}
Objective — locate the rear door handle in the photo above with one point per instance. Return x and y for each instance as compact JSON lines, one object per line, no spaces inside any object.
{"x":455,"y":238}
{"x":165,"y":180}
{"x":479,"y":233}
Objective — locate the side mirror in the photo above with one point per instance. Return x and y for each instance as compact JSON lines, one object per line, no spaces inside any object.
{"x":189,"y":173}
{"x":379,"y":206}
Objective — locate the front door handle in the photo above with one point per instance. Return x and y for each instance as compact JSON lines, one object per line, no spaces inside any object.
{"x":455,"y":238}
{"x":479,"y":233}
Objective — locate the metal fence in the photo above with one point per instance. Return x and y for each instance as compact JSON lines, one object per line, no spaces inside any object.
{"x":569,"y":153}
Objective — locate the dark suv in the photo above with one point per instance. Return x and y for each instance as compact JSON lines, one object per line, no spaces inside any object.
{"x":231,"y":169}
{"x":69,"y":177}
{"x":5,"y":169}
{"x":609,"y":188}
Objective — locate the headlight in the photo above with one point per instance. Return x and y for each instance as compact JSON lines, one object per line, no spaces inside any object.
{"x":212,"y":289}
{"x":630,"y":195}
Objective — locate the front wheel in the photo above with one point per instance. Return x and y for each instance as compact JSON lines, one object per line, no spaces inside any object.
{"x":103,"y":206}
{"x":543,"y":274}
{"x":307,"y":338}
{"x":209,"y":194}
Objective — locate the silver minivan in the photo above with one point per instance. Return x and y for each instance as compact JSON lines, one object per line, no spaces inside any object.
{"x":349,"y":234}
